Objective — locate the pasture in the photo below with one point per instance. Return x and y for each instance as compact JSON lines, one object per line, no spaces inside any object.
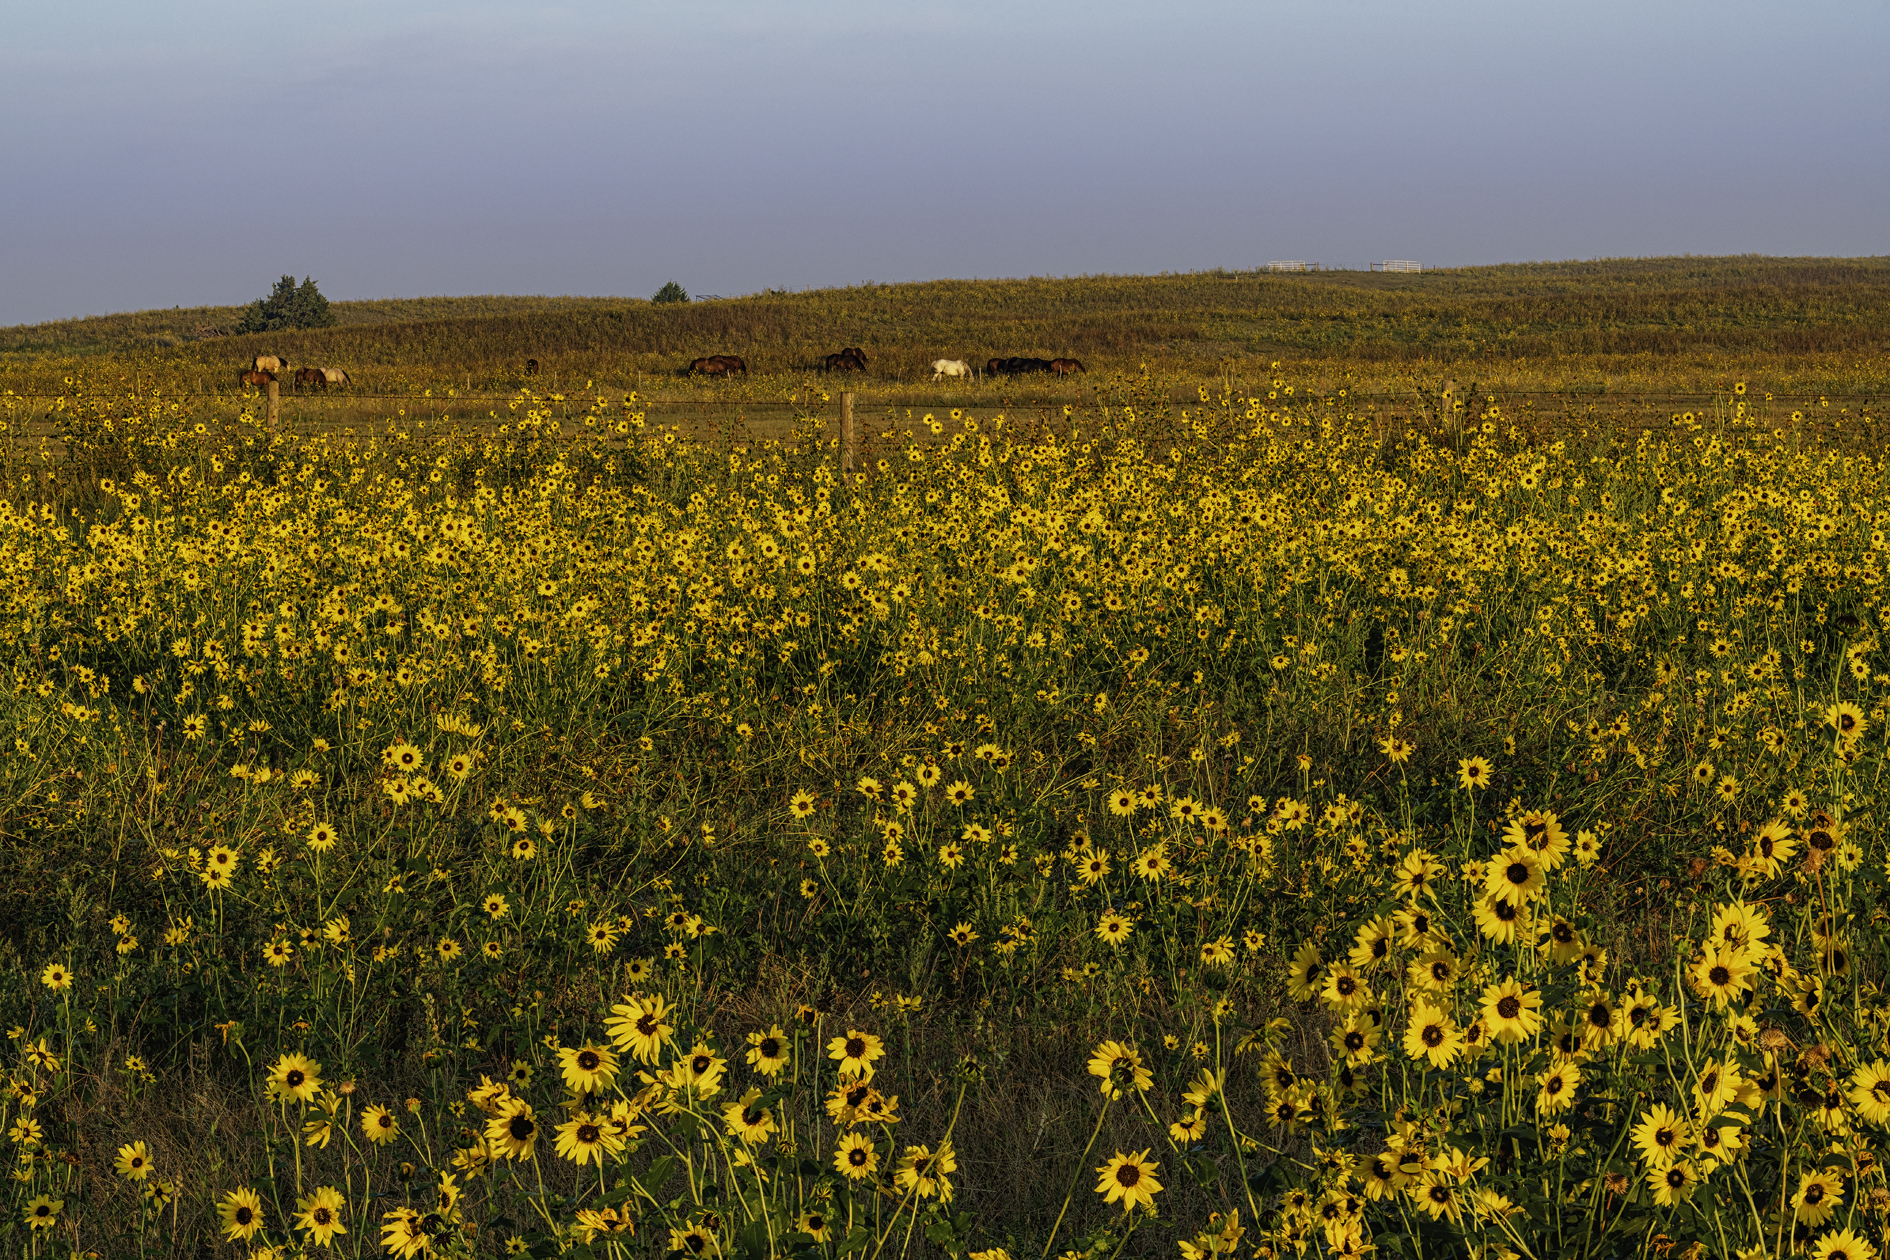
{"x":1217,"y":811}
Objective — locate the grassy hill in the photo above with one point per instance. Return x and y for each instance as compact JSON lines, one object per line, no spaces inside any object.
{"x":1822,"y":322}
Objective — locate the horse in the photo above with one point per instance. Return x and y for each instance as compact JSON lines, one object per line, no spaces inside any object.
{"x":336,"y":376}
{"x":314,"y":378}
{"x":1016,"y":366}
{"x":269,"y":363}
{"x":531,"y":367}
{"x":257,"y":377}
{"x":845,"y":361}
{"x":717,"y":365}
{"x":950,"y":367}
{"x":856,"y":352}
{"x":1063,"y":367}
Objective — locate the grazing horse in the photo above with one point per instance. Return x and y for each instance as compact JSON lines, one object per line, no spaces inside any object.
{"x":258,"y":378}
{"x":1063,"y":367}
{"x":531,"y":367}
{"x":336,"y":376}
{"x":1017,"y":366}
{"x":717,"y":365}
{"x":845,"y":361}
{"x":855,"y":351}
{"x":269,"y":363}
{"x":314,"y":378}
{"x":950,"y":367}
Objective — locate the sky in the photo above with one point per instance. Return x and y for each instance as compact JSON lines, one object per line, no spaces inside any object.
{"x":176,"y":154}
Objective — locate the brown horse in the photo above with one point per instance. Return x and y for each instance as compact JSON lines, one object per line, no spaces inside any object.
{"x":845,"y":361}
{"x":717,"y":365}
{"x":314,"y":378}
{"x":1063,"y":367}
{"x":531,"y":367}
{"x":257,"y":378}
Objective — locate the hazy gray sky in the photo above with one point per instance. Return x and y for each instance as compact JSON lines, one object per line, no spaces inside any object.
{"x":181,"y":154}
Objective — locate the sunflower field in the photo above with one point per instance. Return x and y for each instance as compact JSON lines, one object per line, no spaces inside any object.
{"x":1235,"y":828}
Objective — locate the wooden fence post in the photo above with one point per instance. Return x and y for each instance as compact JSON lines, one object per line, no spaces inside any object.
{"x":846,"y":433}
{"x":275,"y":401}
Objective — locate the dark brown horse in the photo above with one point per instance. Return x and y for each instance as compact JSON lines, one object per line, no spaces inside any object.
{"x":531,"y":367}
{"x":257,"y":378}
{"x":846,"y":361}
{"x":718,"y":365}
{"x":1063,"y":367}
{"x":314,"y":378}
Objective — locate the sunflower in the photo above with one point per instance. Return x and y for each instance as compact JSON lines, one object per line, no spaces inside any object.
{"x":1540,"y":832}
{"x":56,"y":977}
{"x":319,"y":1215}
{"x":1555,"y":1088}
{"x":747,"y":1120}
{"x":512,"y":1132}
{"x":1119,"y":1064}
{"x":1304,"y":973}
{"x":1660,"y":1136}
{"x":815,"y":1223}
{"x":1344,"y":989}
{"x":1437,"y":1193}
{"x":1192,"y":1126}
{"x":1092,"y":867}
{"x":1846,"y":719}
{"x":1152,"y":863}
{"x":586,"y":1138}
{"x":1722,"y":974}
{"x":1842,"y":1244}
{"x":1130,"y":1180}
{"x":961,"y":934}
{"x":1123,"y":803}
{"x":297,"y":1077}
{"x":1474,"y":772}
{"x":1356,"y":1039}
{"x":1870,"y":1092}
{"x":1512,"y":1012}
{"x":639,"y":1026}
{"x":1673,"y":1183}
{"x":960,"y":792}
{"x":856,"y":1052}
{"x":241,"y":1214}
{"x":587,"y":1069}
{"x":1820,"y":1193}
{"x":43,"y":1212}
{"x":769,"y":1052}
{"x":380,"y":1125}
{"x":855,"y":1157}
{"x":1416,"y":872}
{"x":1516,"y":874}
{"x":694,"y":1238}
{"x":1431,"y":1034}
{"x":1498,"y":917}
{"x":134,"y":1161}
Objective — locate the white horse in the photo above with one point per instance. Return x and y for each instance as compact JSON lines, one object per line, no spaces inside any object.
{"x":950,"y":367}
{"x":336,"y":376}
{"x":270,"y":363}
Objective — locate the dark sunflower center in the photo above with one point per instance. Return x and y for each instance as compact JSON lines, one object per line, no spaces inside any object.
{"x":1665,"y":1137}
{"x":521,"y":1128}
{"x":857,"y":1157}
{"x":1676,"y":1177}
{"x":243,"y":1215}
{"x":1504,"y":912}
{"x":321,"y":1216}
{"x":1509,"y":1006}
{"x":700,"y":1064}
{"x":295,"y":1078}
{"x":855,"y":1047}
{"x":1346,"y":986}
{"x":1516,"y":873}
{"x":1432,"y":1036}
{"x":647,"y":1025}
{"x":1814,"y":1194}
{"x":1720,"y":976}
{"x":770,"y":1048}
{"x":1440,"y":971}
{"x":589,"y":1060}
{"x":1599,"y":1015}
{"x":589,"y":1133}
{"x":1128,"y":1175}
{"x":1354,"y":1041}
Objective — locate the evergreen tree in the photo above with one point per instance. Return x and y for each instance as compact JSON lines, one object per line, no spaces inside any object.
{"x":671,"y":292}
{"x":288,"y":306}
